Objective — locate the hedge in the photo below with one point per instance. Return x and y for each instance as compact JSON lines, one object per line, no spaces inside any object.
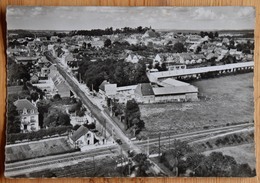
{"x":38,"y":135}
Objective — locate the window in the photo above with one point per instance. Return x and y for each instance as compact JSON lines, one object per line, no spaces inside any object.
{"x":32,"y":111}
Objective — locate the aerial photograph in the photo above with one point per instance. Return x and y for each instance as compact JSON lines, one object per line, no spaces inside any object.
{"x":130,"y":92}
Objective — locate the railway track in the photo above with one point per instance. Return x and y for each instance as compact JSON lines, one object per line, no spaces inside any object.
{"x":193,"y":135}
{"x":42,"y":163}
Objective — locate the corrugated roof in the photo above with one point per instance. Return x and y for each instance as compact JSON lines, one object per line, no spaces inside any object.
{"x":82,"y":130}
{"x":24,"y":103}
{"x":172,"y":82}
{"x":183,"y":72}
{"x":175,"y":90}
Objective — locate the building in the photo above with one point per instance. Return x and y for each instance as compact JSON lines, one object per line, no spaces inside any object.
{"x":171,"y":90}
{"x":133,"y":58}
{"x":144,"y":93}
{"x":34,"y":79}
{"x":26,"y":60}
{"x":84,"y":137}
{"x":62,"y":87}
{"x":28,"y":115}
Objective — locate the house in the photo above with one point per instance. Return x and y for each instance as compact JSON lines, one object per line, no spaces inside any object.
{"x":62,"y":87}
{"x":176,"y":67}
{"x":199,"y":58}
{"x":133,"y":58}
{"x":102,"y":87}
{"x":144,"y":93}
{"x":107,"y":90}
{"x":54,"y":38}
{"x":26,"y":60}
{"x":45,"y":71}
{"x":84,"y":137}
{"x":34,"y":79}
{"x":28,"y":115}
{"x":43,"y":62}
{"x":185,"y":58}
{"x":46,"y":86}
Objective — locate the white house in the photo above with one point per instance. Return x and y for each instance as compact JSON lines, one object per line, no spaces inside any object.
{"x":83,"y":138}
{"x":28,"y":115}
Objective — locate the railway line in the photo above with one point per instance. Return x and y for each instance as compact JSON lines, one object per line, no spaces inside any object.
{"x":193,"y":135}
{"x":44,"y":163}
{"x":76,"y":157}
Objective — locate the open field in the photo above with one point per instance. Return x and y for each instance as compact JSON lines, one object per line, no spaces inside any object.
{"x":242,"y":153}
{"x":37,"y":149}
{"x":229,"y":100}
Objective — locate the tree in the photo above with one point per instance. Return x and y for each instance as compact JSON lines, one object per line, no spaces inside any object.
{"x":216,"y":34}
{"x":43,"y":108}
{"x":57,"y":97}
{"x":13,"y":119}
{"x":198,"y":50}
{"x":174,"y":157}
{"x":179,"y":47}
{"x":211,"y":35}
{"x":34,"y":96}
{"x":142,"y":164}
{"x":57,"y":118}
{"x":107,"y":43}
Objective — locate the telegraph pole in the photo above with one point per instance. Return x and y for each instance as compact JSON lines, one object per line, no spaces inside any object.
{"x":159,"y":144}
{"x":169,"y":140}
{"x":148,"y":147}
{"x":105,"y":129}
{"x":94,"y":164}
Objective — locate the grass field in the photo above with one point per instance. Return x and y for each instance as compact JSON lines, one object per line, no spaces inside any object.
{"x":38,"y":149}
{"x":242,"y":153}
{"x":229,"y":100}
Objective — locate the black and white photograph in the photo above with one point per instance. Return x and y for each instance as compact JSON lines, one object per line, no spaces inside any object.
{"x":130,"y":91}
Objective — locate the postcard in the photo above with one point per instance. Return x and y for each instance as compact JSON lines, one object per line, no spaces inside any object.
{"x":130,"y":92}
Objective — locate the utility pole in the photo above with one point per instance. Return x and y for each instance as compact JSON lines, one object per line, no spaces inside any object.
{"x":94,"y":164}
{"x":159,"y":144}
{"x":148,"y":153}
{"x":105,"y":129}
{"x":169,"y":140}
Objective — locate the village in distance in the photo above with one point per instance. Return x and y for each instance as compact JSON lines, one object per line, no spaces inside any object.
{"x":130,"y":102}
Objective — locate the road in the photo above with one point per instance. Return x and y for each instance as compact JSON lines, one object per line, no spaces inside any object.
{"x":102,"y":118}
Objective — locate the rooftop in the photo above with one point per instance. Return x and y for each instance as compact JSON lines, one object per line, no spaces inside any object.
{"x":82,"y":130}
{"x":24,"y":103}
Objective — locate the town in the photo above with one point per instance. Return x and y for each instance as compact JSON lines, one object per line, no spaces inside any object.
{"x":82,"y":99}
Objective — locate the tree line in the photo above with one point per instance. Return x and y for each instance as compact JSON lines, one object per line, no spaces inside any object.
{"x":109,"y":31}
{"x":120,"y":72}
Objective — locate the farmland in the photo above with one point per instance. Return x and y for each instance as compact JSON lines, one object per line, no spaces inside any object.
{"x":225,"y":100}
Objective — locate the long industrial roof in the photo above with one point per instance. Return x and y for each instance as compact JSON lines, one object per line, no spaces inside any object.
{"x":182,"y":72}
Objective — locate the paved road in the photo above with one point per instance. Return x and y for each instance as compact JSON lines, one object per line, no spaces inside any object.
{"x":102,"y":118}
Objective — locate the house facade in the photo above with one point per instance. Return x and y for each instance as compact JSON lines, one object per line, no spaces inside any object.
{"x":29,"y":115}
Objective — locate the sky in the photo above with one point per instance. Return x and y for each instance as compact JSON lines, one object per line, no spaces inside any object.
{"x":86,"y":18}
